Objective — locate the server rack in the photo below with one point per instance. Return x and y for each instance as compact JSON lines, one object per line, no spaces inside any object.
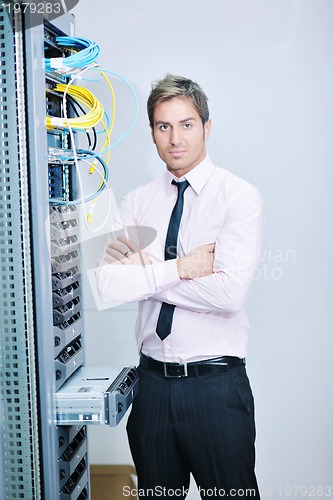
{"x":41,"y":317}
{"x":21,"y":458}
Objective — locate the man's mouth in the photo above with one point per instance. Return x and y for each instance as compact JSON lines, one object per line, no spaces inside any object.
{"x":176,"y":152}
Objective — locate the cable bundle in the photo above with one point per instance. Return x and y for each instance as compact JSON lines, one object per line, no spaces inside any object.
{"x":85,"y":52}
{"x":83,"y":96}
{"x":84,"y":155}
{"x":74,"y":96}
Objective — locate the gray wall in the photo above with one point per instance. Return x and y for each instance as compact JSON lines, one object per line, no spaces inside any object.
{"x":266,"y":67}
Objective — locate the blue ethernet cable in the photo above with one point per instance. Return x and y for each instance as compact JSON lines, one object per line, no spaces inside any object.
{"x":131,"y":127}
{"x":82,"y":155}
{"x":86,"y":53}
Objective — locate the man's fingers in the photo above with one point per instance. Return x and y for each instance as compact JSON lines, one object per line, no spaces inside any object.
{"x":125,"y":252}
{"x":119,"y":248}
{"x":208,"y":247}
{"x":111,"y":260}
{"x":115,"y":251}
{"x":130,"y":244}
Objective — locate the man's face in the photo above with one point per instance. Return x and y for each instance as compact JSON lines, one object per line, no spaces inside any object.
{"x":179,"y":135}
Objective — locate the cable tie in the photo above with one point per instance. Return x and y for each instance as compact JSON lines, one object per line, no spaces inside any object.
{"x":57,"y":122}
{"x":93,"y":167}
{"x":90,"y":214}
{"x":65,"y":70}
{"x":57,"y":62}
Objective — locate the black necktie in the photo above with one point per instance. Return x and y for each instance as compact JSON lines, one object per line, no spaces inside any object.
{"x":164,"y":322}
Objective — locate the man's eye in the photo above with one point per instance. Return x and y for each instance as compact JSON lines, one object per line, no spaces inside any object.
{"x":164,"y":127}
{"x":187,"y":125}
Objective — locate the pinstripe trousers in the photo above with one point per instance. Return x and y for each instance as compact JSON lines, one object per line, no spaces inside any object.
{"x":202,"y":425}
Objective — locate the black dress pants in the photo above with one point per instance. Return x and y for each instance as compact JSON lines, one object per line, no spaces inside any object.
{"x":202,"y":425}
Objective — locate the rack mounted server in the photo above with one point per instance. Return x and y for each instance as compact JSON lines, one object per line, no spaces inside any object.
{"x":49,"y":396}
{"x":96,"y":395}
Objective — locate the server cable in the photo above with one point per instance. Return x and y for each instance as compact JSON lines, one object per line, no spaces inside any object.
{"x":136,"y":102}
{"x":92,"y":141}
{"x":52,"y":122}
{"x":88,"y":120}
{"x":82,"y":155}
{"x":108,"y":131}
{"x":89,"y":100}
{"x":111,"y":121}
{"x":80,"y":95}
{"x":85,"y":53}
{"x":76,"y":152}
{"x":92,"y":118}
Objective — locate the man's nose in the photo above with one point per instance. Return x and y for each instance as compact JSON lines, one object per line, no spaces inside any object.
{"x":175,"y":137}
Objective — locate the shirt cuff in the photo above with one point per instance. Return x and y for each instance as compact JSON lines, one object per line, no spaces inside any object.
{"x":165,"y":274}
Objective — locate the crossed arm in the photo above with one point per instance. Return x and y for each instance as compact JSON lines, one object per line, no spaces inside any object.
{"x":212,"y":277}
{"x":197,"y":263}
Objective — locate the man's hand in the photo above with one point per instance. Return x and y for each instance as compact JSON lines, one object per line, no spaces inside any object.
{"x":197,"y":263}
{"x":126,"y":252}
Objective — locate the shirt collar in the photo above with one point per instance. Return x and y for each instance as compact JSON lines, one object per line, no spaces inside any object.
{"x":197,"y":177}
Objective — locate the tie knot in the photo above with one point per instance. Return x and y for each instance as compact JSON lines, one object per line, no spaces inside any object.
{"x":181,"y":186}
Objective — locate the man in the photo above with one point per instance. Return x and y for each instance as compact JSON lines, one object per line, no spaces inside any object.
{"x":194,"y":412}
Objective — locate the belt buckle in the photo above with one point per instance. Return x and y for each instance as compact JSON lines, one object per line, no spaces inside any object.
{"x":167,"y":367}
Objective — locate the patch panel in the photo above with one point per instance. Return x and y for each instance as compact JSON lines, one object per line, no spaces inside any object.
{"x":60,"y":213}
{"x":65,"y":435}
{"x":66,"y":332}
{"x":64,"y":279}
{"x":76,"y":484}
{"x":68,"y":361}
{"x":61,"y":263}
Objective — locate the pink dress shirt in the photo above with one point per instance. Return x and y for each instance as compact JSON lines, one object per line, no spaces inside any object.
{"x":209,"y":318}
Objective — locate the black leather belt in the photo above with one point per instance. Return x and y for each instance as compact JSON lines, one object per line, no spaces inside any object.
{"x":196,"y":368}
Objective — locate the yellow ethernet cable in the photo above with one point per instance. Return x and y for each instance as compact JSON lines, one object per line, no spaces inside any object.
{"x":89,"y":120}
{"x":107,"y":141}
{"x":92,"y":118}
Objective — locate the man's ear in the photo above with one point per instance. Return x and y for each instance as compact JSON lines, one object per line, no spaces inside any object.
{"x":152,"y":133}
{"x":207,"y":128}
